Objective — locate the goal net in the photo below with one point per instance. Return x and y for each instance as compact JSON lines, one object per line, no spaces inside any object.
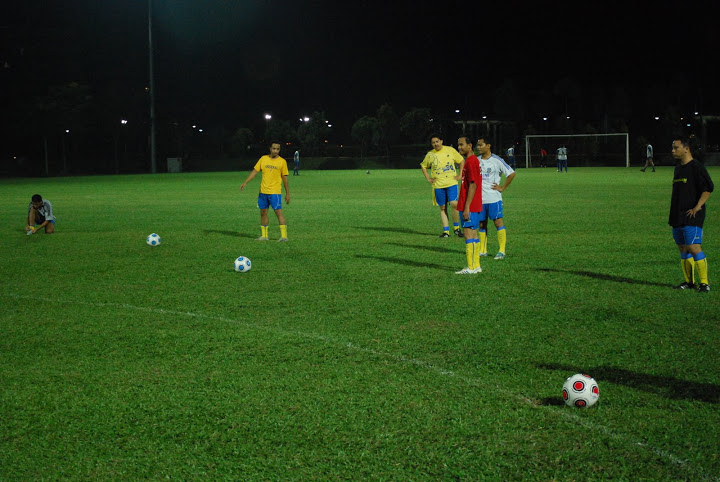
{"x":583,"y":150}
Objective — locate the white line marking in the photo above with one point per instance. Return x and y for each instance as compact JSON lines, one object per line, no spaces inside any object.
{"x":674,"y":459}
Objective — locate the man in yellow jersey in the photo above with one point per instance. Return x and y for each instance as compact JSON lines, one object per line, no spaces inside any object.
{"x":274,"y":170}
{"x":444,"y":178}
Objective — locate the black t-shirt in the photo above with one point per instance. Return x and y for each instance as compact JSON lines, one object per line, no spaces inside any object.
{"x":689,"y":182}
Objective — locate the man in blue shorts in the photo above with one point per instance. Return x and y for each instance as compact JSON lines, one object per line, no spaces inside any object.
{"x":443,"y":177}
{"x":470,"y":205}
{"x":40,"y":216}
{"x":274,"y":174}
{"x":691,"y":190}
{"x":493,"y":168}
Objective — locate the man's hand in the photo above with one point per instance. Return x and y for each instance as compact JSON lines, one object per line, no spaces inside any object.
{"x":498,"y":187}
{"x":242,"y":186}
{"x":692,"y":212}
{"x":466,"y":214}
{"x":287,"y":199}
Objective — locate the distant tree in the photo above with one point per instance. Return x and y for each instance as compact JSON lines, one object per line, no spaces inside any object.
{"x":64,"y":108}
{"x":241,"y":141}
{"x":416,"y":124}
{"x":313,"y":133}
{"x":281,"y":130}
{"x":388,"y":129}
{"x":364,"y":131}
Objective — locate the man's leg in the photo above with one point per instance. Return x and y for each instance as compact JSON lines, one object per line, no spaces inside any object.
{"x":50,"y":228}
{"x":283,"y":226}
{"x":264,"y":221}
{"x":701,"y":266}
{"x":456,"y":218}
{"x":445,"y":221}
{"x":502,"y":238}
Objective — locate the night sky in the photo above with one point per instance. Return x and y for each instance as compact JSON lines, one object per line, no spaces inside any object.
{"x":229,"y":62}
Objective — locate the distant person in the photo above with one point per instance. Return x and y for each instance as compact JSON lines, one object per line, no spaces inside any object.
{"x":493,"y":168}
{"x":470,"y":204}
{"x":543,"y":157}
{"x":648,"y":158}
{"x":444,"y":177}
{"x":691,"y":190}
{"x":296,"y":158}
{"x":511,"y":156}
{"x":562,"y":158}
{"x":40,"y":216}
{"x":274,"y":173}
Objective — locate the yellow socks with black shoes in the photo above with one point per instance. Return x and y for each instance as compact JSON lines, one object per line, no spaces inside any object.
{"x":701,"y":267}
{"x":482,"y":241}
{"x":688,"y":266}
{"x":283,"y":231}
{"x":502,"y":239}
{"x":264,"y":231}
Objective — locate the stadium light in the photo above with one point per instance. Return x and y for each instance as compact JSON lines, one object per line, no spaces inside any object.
{"x":567,"y":117}
{"x":688,"y":125}
{"x":268,"y":117}
{"x":544,"y":118}
{"x":123,"y":121}
{"x":484,"y":117}
{"x":457,"y":111}
{"x":697,"y":113}
{"x":329,"y":125}
{"x":200,"y":130}
{"x":306,"y":119}
{"x":657,"y":118}
{"x":67,"y":131}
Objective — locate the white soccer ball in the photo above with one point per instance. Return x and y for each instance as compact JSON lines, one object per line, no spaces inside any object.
{"x":153,"y":239}
{"x":243,"y":264}
{"x":580,"y":391}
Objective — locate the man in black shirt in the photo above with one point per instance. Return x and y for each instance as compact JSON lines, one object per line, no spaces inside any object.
{"x":691,"y":189}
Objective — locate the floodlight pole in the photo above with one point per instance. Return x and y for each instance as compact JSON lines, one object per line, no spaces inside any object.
{"x":153,"y":163}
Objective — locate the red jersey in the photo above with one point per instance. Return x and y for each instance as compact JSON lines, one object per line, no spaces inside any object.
{"x":471,"y":174}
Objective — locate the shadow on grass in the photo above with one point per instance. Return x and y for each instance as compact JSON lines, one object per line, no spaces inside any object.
{"x":229,"y":233}
{"x":664,"y":386}
{"x":392,"y":230}
{"x":404,"y":262}
{"x":606,"y":277}
{"x":436,"y":249}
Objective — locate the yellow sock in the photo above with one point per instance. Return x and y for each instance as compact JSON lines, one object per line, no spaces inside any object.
{"x":264,"y":231}
{"x":688,"y":266}
{"x":482,"y":244}
{"x":283,"y":231}
{"x":476,"y":255}
{"x":502,"y":238}
{"x":702,"y":270}
{"x":469,"y":253}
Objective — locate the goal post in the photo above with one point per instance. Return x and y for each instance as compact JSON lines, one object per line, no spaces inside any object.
{"x":590,"y":147}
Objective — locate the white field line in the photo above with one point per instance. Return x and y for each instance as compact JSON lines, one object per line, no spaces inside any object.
{"x":476,"y":382}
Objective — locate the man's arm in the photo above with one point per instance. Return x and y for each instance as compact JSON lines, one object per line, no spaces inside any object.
{"x":701,"y":202}
{"x":287,"y":188}
{"x":505,"y":185}
{"x":427,"y":176}
{"x":462,"y":166}
{"x":468,"y":200}
{"x":252,"y":175}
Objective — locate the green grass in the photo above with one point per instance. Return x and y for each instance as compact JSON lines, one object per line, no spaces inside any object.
{"x":353,"y":351}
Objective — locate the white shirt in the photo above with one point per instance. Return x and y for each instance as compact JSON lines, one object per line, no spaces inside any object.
{"x":492,"y":170}
{"x":511,"y":152}
{"x":562,"y":153}
{"x":649,"y":152}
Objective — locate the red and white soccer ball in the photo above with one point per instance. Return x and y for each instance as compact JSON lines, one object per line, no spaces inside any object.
{"x":580,"y":391}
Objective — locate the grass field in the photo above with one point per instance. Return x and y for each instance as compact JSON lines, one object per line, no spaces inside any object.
{"x":353,"y":351}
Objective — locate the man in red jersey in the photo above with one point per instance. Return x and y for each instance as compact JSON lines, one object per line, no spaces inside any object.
{"x":470,"y":205}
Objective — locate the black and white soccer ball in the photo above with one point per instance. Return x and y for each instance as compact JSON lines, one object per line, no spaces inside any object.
{"x":580,"y":390}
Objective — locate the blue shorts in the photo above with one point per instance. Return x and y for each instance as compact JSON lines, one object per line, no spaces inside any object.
{"x":687,"y":235}
{"x":492,"y":211}
{"x":473,"y":222}
{"x":445,"y":195}
{"x":270,"y":200}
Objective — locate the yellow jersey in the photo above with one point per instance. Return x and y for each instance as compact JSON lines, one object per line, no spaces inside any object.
{"x":441,"y":165}
{"x":272,"y":172}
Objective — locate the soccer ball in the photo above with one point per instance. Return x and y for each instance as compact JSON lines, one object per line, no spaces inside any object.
{"x":153,"y":240}
{"x":580,"y":391}
{"x":243,"y":264}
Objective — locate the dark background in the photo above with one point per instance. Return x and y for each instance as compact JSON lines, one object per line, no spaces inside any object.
{"x":220,"y":65}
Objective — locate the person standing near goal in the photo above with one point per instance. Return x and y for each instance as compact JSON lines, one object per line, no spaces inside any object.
{"x":562,"y":158}
{"x":648,"y":158}
{"x":493,"y":168}
{"x":511,"y":156}
{"x":274,"y":173}
{"x":444,"y":178}
{"x":691,"y":190}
